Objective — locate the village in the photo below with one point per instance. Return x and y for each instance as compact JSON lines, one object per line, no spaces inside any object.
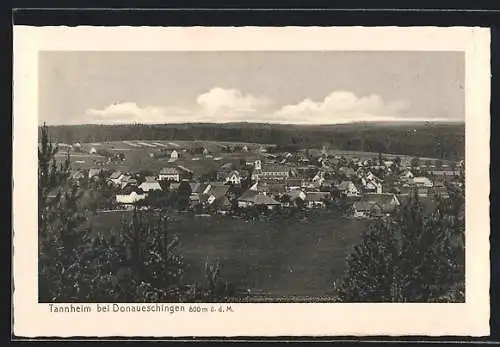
{"x":270,"y":180}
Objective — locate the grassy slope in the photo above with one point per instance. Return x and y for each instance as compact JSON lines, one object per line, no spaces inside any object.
{"x":285,"y":258}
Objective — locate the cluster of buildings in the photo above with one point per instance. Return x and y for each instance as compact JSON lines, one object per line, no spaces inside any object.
{"x":286,"y":180}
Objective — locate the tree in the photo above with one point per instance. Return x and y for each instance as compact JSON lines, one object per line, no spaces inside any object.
{"x":160,"y":199}
{"x":183,"y":194}
{"x":299,"y":203}
{"x":103,"y":192}
{"x":415,"y":162}
{"x":397,"y":161}
{"x":73,"y":266}
{"x":407,"y":258}
{"x":285,"y":200}
{"x":436,"y":141}
{"x":371,"y":269}
{"x":62,"y":241}
{"x":150,"y":257}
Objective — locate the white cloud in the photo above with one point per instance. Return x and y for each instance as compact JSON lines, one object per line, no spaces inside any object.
{"x":130,"y":112}
{"x":340,"y":107}
{"x":231,"y":105}
{"x":216,"y":105}
{"x":230,"y":101}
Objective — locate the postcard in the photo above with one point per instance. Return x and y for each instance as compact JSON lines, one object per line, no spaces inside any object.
{"x":251,"y":181}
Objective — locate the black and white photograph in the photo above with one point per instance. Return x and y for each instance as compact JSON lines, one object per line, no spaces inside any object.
{"x":258,"y":176}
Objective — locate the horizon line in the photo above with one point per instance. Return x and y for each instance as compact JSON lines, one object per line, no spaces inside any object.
{"x":442,"y":121}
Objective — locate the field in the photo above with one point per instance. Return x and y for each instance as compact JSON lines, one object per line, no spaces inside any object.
{"x":285,"y":257}
{"x":370,"y":155}
{"x":138,"y":155}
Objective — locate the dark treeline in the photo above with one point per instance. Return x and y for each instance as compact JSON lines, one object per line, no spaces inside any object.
{"x":436,"y":140}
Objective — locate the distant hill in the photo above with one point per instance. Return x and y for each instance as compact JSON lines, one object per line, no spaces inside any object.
{"x":426,"y":139}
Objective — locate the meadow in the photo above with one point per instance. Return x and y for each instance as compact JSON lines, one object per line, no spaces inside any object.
{"x":270,"y":257}
{"x":140,"y":155}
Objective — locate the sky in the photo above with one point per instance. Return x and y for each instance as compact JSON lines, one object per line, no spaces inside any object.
{"x":317,"y":87}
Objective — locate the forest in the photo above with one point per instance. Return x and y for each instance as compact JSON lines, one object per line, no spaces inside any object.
{"x":436,"y":140}
{"x":408,"y":257}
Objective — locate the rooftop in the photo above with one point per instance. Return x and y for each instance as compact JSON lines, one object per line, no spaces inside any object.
{"x":345,"y":184}
{"x":383,"y":200}
{"x":219,"y":191}
{"x":275,"y":168}
{"x":317,"y":196}
{"x":169,"y":171}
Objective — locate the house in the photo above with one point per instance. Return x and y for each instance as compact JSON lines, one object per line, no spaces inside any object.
{"x":270,"y":156}
{"x":94,"y":172}
{"x":185,"y":173}
{"x":128,"y":180}
{"x":77,"y":175}
{"x":373,"y":187}
{"x":62,"y":192}
{"x":63,"y":146}
{"x":444,"y":173}
{"x":319,"y":178}
{"x":347,"y":172}
{"x":216,"y":191}
{"x":222,"y":205}
{"x":422,"y":182}
{"x":371,"y":183}
{"x":93,"y":150}
{"x":260,"y":187}
{"x":294,"y":183}
{"x":223,"y":171}
{"x":422,"y":192}
{"x":149,"y":179}
{"x":316,"y":199}
{"x":272,"y":172}
{"x":130,"y":196}
{"x":296,"y":194}
{"x":244,"y":148}
{"x":150,"y":185}
{"x":116,"y":177}
{"x":348,"y":188}
{"x":233,"y":177}
{"x":252,"y":198}
{"x":174,"y":155}
{"x":406,"y":175}
{"x":405,"y":162}
{"x":441,"y":187}
{"x":77,"y":147}
{"x":169,"y":174}
{"x":276,"y":190}
{"x":199,"y":188}
{"x":375,"y":205}
{"x":197,"y":191}
{"x":326,"y":186}
{"x":361,"y":172}
{"x":364,"y":209}
{"x":371,"y":177}
{"x":440,"y":191}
